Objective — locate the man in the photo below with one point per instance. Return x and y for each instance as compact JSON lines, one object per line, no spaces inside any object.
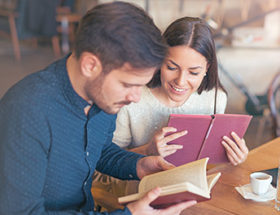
{"x":56,"y":125}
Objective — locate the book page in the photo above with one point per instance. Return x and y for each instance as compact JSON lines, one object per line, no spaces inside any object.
{"x":186,"y":186}
{"x":130,"y":198}
{"x":212,"y":180}
{"x":193,"y":173}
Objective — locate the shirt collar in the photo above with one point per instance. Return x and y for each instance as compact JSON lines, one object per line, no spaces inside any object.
{"x":67,"y":89}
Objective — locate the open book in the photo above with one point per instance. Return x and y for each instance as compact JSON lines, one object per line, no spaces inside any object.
{"x":205,"y":133}
{"x":182,"y":183}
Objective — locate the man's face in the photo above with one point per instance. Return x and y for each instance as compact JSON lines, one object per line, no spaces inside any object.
{"x":117,"y":88}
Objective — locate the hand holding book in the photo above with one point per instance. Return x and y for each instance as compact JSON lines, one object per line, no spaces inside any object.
{"x":183,"y":183}
{"x":168,"y":140}
{"x":158,"y":144}
{"x":205,"y":134}
{"x":236,"y":149}
{"x":136,"y":208}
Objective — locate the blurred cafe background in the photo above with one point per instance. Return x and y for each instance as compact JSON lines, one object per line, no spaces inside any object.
{"x":33,"y":33}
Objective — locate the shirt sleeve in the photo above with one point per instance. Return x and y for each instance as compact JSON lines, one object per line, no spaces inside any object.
{"x":118,"y":162}
{"x":23,"y":162}
{"x":122,"y":135}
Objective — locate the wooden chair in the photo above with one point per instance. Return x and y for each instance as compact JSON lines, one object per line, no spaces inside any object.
{"x":273,"y":97}
{"x":8,"y":16}
{"x":66,"y":28}
{"x":12,"y":25}
{"x":105,"y":201}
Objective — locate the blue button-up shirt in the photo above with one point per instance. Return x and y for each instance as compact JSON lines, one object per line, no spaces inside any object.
{"x":49,"y":148}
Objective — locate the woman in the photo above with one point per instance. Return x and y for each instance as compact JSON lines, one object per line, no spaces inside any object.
{"x":187,"y":83}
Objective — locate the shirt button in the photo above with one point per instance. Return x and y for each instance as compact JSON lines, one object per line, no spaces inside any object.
{"x":87,"y":153}
{"x":130,"y":176}
{"x":85,"y":184}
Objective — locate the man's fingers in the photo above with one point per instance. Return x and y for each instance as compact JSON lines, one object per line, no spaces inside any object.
{"x":165,"y":165}
{"x":151,"y":196}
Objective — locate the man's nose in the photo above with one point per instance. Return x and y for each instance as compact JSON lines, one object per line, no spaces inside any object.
{"x":134,"y":94}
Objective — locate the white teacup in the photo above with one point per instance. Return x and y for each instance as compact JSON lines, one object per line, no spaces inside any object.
{"x":260,"y":182}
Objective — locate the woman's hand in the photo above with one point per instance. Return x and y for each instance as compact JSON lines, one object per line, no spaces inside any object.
{"x":158,"y":145}
{"x":237,"y":150}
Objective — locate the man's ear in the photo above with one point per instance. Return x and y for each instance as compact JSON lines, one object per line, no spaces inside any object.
{"x":90,"y":65}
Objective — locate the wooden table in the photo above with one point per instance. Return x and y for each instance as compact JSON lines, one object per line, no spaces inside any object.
{"x":225,"y":199}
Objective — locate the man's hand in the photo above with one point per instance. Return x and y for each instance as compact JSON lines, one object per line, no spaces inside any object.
{"x":152,"y":164}
{"x":142,"y":206}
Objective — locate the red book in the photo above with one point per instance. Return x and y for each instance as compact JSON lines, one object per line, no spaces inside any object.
{"x":182,"y":183}
{"x":205,"y":133}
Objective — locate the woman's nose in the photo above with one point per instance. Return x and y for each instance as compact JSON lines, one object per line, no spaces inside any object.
{"x":182,"y":78}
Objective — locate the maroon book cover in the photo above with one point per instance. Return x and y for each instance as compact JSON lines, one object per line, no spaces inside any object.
{"x":204,"y":136}
{"x":166,"y":201}
{"x":171,"y":199}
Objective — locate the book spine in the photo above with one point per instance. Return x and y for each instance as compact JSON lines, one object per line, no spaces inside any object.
{"x":205,"y":138}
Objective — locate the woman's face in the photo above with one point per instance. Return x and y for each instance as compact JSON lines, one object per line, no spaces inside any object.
{"x":181,"y":74}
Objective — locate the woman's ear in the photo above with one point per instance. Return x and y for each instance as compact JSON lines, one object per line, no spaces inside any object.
{"x":90,"y":65}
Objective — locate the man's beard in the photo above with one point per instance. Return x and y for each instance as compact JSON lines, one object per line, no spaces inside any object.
{"x":96,"y":95}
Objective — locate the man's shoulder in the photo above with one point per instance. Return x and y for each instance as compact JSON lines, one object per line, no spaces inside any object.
{"x":35,"y":89}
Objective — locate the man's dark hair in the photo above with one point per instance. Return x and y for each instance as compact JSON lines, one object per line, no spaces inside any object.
{"x":119,"y":33}
{"x":196,"y":34}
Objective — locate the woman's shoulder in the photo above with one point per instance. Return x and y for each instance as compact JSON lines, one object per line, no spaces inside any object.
{"x":211,"y":93}
{"x":204,"y":103}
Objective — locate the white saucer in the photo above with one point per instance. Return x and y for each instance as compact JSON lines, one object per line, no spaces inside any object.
{"x":247,"y":193}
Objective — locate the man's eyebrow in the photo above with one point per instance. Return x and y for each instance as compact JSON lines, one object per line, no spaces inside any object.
{"x":132,"y":85}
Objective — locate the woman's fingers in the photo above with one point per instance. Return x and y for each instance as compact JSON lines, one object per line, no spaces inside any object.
{"x":237,"y":150}
{"x":231,"y":154}
{"x":174,"y":136}
{"x":240,"y":142}
{"x":169,"y":149}
{"x":161,"y":140}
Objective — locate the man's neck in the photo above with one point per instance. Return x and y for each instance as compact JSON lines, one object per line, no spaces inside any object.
{"x":76,"y":79}
{"x":75,"y":76}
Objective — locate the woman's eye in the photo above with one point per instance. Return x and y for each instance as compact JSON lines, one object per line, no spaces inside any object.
{"x":194,"y":73}
{"x":171,"y":68}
